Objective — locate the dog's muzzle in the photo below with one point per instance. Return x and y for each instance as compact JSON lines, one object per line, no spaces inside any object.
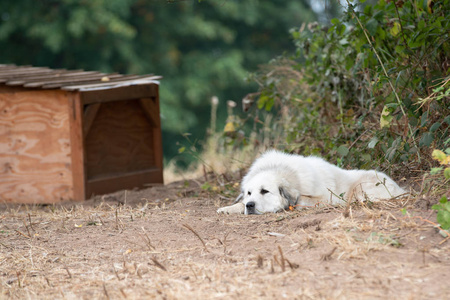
{"x":250,"y":206}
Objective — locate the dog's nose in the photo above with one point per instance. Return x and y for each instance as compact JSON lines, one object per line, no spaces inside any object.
{"x":250,"y":207}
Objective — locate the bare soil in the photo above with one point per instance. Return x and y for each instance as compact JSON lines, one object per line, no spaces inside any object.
{"x":167,"y":242}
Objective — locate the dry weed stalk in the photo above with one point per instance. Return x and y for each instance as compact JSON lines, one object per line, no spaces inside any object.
{"x":23,"y":234}
{"x":68,"y":272}
{"x":291,"y":265}
{"x":115,"y":272}
{"x":147,"y":240}
{"x":259,"y":261}
{"x":327,"y":256}
{"x":283,"y":267}
{"x":105,"y":291}
{"x":158,"y":264}
{"x":197,"y":235}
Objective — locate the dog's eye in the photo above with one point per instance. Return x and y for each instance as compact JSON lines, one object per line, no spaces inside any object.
{"x":263,"y":191}
{"x":249,"y":193}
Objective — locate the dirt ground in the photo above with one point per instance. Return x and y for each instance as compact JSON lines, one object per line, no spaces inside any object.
{"x":167,"y":242}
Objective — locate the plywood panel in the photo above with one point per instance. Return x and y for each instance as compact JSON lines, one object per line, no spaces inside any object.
{"x":121,"y":93}
{"x":120,"y":140}
{"x":76,"y":121}
{"x":138,"y":179}
{"x":35,"y":162}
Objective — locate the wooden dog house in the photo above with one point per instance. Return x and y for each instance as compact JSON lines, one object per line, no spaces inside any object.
{"x":67,"y":135}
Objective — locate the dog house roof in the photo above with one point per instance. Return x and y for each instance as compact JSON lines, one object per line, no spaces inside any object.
{"x":68,"y":80}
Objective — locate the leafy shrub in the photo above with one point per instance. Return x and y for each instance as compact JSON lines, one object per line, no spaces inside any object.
{"x":372,"y":88}
{"x":443,"y":213}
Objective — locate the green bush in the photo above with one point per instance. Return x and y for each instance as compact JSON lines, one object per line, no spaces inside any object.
{"x":371,"y":89}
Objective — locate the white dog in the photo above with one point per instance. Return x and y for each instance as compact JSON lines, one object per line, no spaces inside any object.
{"x":278,"y":181}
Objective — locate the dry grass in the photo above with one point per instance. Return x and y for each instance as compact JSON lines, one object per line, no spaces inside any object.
{"x":178,"y":249}
{"x":214,"y":159}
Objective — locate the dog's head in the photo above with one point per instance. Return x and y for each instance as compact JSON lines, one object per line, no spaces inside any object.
{"x":268,"y":192}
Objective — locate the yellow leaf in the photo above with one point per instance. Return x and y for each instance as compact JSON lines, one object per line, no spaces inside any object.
{"x":229,"y":127}
{"x":78,"y":226}
{"x":395,"y":30}
{"x":440,"y":156}
{"x":386,"y":118}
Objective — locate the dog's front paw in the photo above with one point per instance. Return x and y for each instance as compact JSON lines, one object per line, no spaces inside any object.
{"x":223,"y":210}
{"x":237,"y":208}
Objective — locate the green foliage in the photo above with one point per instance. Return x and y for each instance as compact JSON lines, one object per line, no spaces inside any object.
{"x":371,"y":89}
{"x":201,"y":48}
{"x":443,"y":213}
{"x":383,"y":239}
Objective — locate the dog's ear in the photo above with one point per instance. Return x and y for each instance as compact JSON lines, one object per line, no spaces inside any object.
{"x":291,"y":200}
{"x":241,"y":195}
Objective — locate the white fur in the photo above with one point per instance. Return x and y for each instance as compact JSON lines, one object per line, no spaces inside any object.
{"x":277,"y":180}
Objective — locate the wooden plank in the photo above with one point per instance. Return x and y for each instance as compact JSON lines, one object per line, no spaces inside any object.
{"x":117,"y":182}
{"x":120,"y":140}
{"x":151,"y":110}
{"x":77,"y":146}
{"x":51,"y":75}
{"x":78,"y":86}
{"x":126,"y":80}
{"x":12,"y":89}
{"x":23,"y":70}
{"x":35,"y":164}
{"x":122,"y":93}
{"x":50,"y":83}
{"x":157,"y":136}
{"x":81,"y":80}
{"x":90,"y":111}
{"x":6,"y":76}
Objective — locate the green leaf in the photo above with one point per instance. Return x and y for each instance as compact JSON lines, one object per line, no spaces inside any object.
{"x":372,"y":26}
{"x":269,"y":104}
{"x":424,"y":119}
{"x":426,"y":140}
{"x":443,"y":218}
{"x":342,"y":150}
{"x":435,"y":126}
{"x":447,"y":120}
{"x":435,"y":171}
{"x":399,"y":49}
{"x":421,"y":24}
{"x":381,"y":33}
{"x":373,"y":142}
{"x":443,"y":212}
{"x":447,"y":173}
{"x":262,"y":101}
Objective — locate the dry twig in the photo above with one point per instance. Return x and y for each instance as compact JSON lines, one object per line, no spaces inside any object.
{"x":196,"y":234}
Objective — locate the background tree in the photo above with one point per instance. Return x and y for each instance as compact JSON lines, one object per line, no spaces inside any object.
{"x":201,"y":48}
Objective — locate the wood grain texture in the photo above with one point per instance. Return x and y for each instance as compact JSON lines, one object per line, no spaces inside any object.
{"x":121,"y":93}
{"x":120,"y":140}
{"x":139,"y":179}
{"x":35,"y":162}
{"x":78,"y":153}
